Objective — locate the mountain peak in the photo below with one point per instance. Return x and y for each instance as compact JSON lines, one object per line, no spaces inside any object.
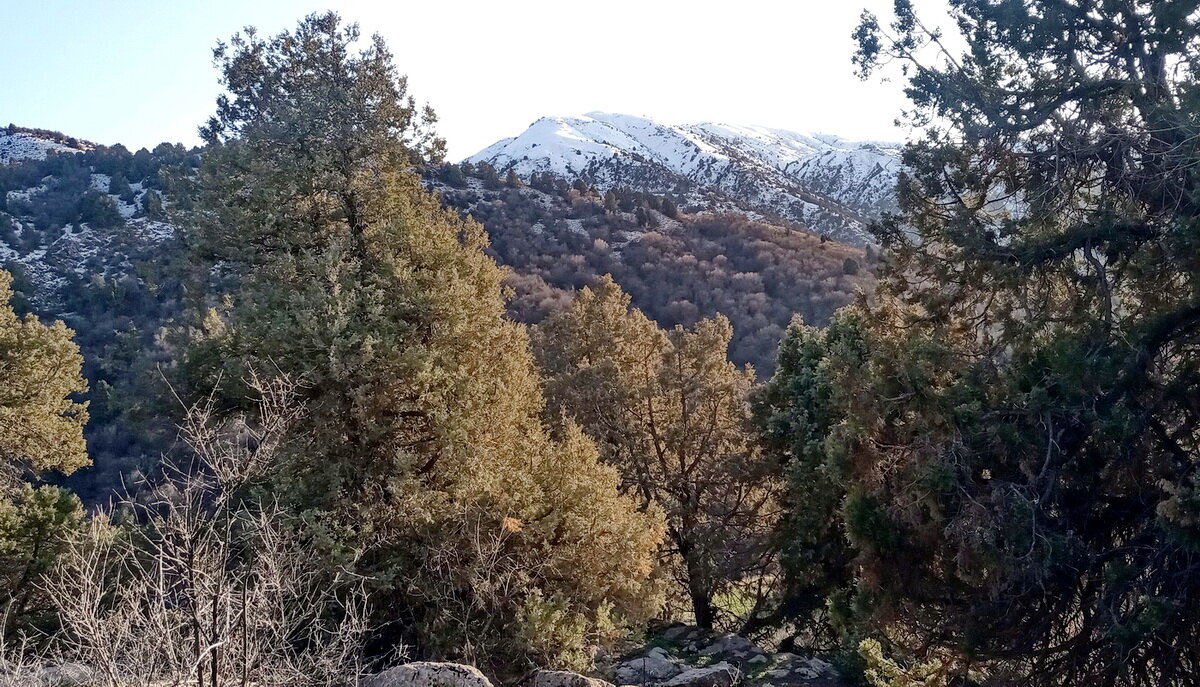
{"x":828,"y":183}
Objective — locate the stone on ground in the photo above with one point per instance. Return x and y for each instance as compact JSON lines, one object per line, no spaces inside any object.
{"x":719,"y":675}
{"x":428,"y":674}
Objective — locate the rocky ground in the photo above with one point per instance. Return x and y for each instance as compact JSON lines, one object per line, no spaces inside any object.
{"x":685,"y":656}
{"x":674,"y":656}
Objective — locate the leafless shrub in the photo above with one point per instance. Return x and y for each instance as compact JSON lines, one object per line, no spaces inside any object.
{"x":200,"y":585}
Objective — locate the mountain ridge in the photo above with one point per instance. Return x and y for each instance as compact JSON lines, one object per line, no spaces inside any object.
{"x":828,"y":183}
{"x":18,"y":143}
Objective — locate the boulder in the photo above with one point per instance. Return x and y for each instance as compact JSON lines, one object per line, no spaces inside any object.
{"x":731,"y":647}
{"x":67,"y":675}
{"x":562,"y":678}
{"x":428,"y":674}
{"x":790,"y":670}
{"x":719,"y":675}
{"x":656,"y":666}
{"x":675,"y":632}
{"x":813,"y":668}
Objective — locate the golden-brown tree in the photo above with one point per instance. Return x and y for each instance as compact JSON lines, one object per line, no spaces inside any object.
{"x":41,"y":428}
{"x":671,"y":413}
{"x":422,"y":461}
{"x":41,"y":424}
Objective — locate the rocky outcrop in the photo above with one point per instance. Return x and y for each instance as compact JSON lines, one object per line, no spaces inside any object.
{"x":719,"y":675}
{"x":734,"y":649}
{"x":690,"y":657}
{"x":562,"y":678}
{"x":654,"y":667}
{"x":793,"y":669}
{"x":686,"y":657}
{"x":426,"y":674}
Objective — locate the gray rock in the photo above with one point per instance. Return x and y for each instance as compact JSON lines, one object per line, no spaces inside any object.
{"x":562,"y":678}
{"x":785,"y":657}
{"x":677,"y":632}
{"x":758,"y":659}
{"x":427,"y":674}
{"x":67,"y":675}
{"x":719,"y":675}
{"x":731,"y":646}
{"x":806,"y":673}
{"x":656,"y":666}
{"x":821,"y":667}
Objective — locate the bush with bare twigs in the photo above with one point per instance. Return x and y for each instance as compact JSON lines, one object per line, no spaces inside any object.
{"x":200,"y":584}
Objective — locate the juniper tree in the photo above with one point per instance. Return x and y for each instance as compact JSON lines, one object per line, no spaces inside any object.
{"x":671,"y":413}
{"x":423,"y":461}
{"x":1023,"y":471}
{"x":795,"y":412}
{"x":41,"y":422}
{"x":41,"y":429}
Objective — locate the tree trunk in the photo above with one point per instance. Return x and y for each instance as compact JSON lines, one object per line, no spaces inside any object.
{"x":701,"y":594}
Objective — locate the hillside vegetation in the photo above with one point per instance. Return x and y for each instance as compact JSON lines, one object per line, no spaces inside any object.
{"x":343,"y":414}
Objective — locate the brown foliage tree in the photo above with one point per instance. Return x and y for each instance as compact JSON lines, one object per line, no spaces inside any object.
{"x":671,"y":413}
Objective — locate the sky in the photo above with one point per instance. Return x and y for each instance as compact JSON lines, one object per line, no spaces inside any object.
{"x":140,"y":72}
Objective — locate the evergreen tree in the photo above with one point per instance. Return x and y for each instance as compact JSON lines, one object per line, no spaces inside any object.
{"x":795,"y":411}
{"x":1023,"y":455}
{"x":491,"y":178}
{"x":99,"y":210}
{"x":452,"y":175}
{"x":41,"y":428}
{"x":41,"y":424}
{"x":671,"y":413}
{"x":424,"y":462}
{"x":152,"y":205}
{"x":669,"y":208}
{"x":119,"y":186}
{"x":36,"y":524}
{"x":610,"y":201}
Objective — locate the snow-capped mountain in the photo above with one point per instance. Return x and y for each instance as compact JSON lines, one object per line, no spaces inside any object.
{"x":831,"y":185}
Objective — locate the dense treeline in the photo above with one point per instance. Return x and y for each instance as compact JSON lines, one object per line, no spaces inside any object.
{"x":982,"y":473}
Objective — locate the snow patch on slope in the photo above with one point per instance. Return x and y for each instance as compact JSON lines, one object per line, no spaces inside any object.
{"x":24,"y":145}
{"x":832,"y":184}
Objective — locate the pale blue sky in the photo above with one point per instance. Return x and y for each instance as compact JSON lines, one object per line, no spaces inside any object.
{"x":139,"y":72}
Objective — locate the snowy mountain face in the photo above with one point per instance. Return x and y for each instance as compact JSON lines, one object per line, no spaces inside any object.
{"x":72,"y":212}
{"x":831,"y":185}
{"x":18,"y":145}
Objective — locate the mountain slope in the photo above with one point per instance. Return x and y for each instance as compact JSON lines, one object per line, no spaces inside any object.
{"x":831,"y":185}
{"x":677,"y":267}
{"x":86,"y":233}
{"x":18,"y":144}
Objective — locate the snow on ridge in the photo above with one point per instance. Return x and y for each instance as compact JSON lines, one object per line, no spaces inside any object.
{"x":556,"y":143}
{"x":831,"y":183}
{"x":24,"y":145}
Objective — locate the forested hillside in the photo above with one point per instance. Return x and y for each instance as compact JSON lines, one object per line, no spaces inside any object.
{"x":559,"y":236}
{"x":310,"y":406}
{"x":84,"y":232}
{"x":91,"y":235}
